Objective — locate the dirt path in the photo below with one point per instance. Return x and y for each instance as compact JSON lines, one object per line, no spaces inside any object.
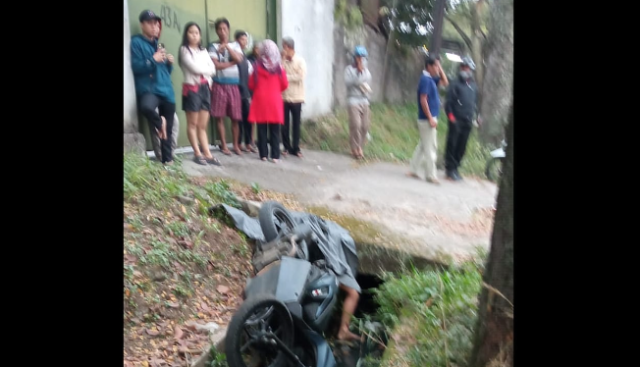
{"x":452,"y":218}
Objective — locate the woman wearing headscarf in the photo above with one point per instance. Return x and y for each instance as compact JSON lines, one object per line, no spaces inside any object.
{"x":267,"y":82}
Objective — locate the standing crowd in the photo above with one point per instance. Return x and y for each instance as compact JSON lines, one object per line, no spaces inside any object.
{"x":265,"y":87}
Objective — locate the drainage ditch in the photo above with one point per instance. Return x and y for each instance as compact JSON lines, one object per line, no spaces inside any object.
{"x":375,"y":337}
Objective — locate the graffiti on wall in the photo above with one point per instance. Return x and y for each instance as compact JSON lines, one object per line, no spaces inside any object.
{"x":170,"y":18}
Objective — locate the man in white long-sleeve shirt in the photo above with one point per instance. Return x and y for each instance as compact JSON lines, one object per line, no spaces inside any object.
{"x":357,"y":78}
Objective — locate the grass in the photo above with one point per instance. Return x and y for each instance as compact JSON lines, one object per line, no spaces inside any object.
{"x":394,"y":136}
{"x":175,"y":257}
{"x":432,"y":314}
{"x":149,"y":183}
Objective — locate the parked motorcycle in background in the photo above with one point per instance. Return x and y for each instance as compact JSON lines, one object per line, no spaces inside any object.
{"x":494,"y":165}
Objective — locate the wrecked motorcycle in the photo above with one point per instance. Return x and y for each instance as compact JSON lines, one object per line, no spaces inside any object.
{"x":493,"y":169}
{"x":288,"y":304}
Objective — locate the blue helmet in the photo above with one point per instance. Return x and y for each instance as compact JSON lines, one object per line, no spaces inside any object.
{"x":466,"y":61}
{"x":360,"y":51}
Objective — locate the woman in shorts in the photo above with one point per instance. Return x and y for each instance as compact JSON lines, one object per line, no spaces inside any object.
{"x":198,"y":69}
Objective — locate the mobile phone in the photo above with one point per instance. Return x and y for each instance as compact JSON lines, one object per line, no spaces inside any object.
{"x":160,"y":45}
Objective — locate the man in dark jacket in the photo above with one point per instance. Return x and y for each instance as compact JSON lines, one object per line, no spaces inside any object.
{"x":461,"y":109}
{"x":152,"y":67}
{"x":245,"y":68}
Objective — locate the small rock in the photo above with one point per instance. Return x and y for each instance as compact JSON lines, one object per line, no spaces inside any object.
{"x":177,"y":333}
{"x":251,"y":208}
{"x":209,"y":327}
{"x":186,"y":244}
{"x":185,"y":200}
{"x":223,"y":289}
{"x":159,"y":277}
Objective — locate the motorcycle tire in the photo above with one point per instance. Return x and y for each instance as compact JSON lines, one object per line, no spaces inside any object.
{"x":491,"y":166}
{"x":268,"y":214}
{"x":233,"y":341}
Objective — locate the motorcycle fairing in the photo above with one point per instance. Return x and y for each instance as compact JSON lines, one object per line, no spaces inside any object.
{"x":285,"y":281}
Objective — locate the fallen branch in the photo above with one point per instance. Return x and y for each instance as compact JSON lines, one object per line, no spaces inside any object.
{"x":494,"y":290}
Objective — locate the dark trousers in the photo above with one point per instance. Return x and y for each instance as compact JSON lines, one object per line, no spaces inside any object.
{"x":294,"y":109}
{"x":245,"y":126}
{"x":148,"y":102}
{"x":273,"y":132}
{"x":457,"y":138}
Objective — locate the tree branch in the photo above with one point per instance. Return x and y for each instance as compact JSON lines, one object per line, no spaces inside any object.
{"x":464,"y":36}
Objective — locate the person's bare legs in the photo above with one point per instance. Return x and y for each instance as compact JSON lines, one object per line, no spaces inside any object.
{"x":348,"y":308}
{"x":192,"y":132}
{"x":203,"y":121}
{"x":221,"y":132}
{"x":235,"y":130}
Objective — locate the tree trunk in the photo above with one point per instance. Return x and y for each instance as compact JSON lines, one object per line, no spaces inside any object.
{"x":494,"y":332}
{"x":477,"y":40}
{"x":497,"y":84}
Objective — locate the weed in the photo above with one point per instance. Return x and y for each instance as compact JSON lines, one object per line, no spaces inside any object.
{"x":438,"y":308}
{"x":160,"y":254}
{"x":221,"y":189}
{"x":217,"y":359}
{"x":242,"y":249}
{"x":136,"y":222}
{"x":182,"y":291}
{"x":178,"y":229}
{"x":255,"y":187}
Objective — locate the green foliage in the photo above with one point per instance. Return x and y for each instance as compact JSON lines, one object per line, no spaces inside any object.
{"x":217,"y":359}
{"x":255,"y":187}
{"x":149,"y":182}
{"x":438,"y":308}
{"x":350,"y":17}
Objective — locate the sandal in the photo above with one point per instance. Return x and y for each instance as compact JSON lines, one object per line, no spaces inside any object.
{"x":224,"y":151}
{"x":200,"y":160}
{"x":264,"y":159}
{"x":213,"y":160}
{"x":252,"y":149}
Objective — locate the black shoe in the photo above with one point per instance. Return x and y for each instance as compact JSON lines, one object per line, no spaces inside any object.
{"x":457,"y":175}
{"x":451,"y":174}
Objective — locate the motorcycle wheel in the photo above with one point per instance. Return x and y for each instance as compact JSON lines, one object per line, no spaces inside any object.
{"x":494,"y":169}
{"x":274,"y":220}
{"x":258,"y":314}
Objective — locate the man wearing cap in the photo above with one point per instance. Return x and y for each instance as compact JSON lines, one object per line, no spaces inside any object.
{"x":357,"y":78}
{"x":152,"y":68}
{"x":461,"y":109}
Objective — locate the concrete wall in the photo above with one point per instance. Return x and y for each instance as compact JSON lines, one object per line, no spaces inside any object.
{"x":310,"y":24}
{"x":132,"y":138}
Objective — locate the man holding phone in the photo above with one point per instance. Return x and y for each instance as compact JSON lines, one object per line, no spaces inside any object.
{"x":152,"y":67}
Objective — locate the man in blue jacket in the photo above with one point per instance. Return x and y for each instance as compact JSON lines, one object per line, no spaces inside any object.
{"x":152,"y":68}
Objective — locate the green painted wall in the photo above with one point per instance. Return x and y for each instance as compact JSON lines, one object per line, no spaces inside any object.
{"x":248,"y":15}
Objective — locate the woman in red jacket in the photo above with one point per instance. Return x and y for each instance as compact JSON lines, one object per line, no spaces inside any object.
{"x":267,"y":82}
